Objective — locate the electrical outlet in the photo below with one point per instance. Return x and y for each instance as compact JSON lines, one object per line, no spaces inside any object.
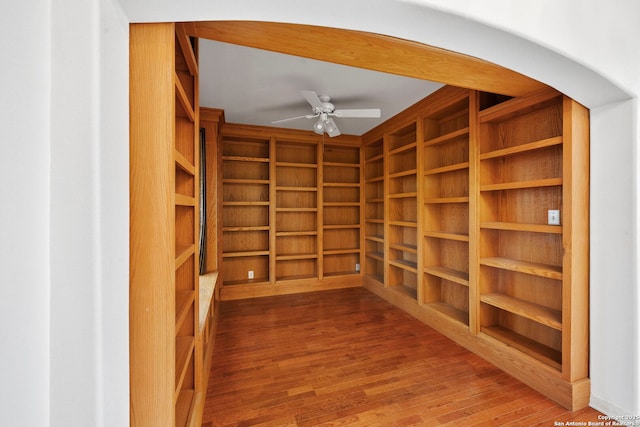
{"x":250,"y":274}
{"x":553,"y":217}
{"x":357,"y":267}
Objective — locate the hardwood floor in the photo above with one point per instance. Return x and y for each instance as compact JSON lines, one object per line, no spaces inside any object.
{"x":347,"y":357}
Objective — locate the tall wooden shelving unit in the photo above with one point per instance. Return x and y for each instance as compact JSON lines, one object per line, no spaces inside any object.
{"x":445,"y":210}
{"x":401,"y":209}
{"x":532,"y":273}
{"x":468,"y":242}
{"x":245,"y":204}
{"x":341,"y":209}
{"x":374,"y":210}
{"x":297,"y":213}
{"x":165,"y":356}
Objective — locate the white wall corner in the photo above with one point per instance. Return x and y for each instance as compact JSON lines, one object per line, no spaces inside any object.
{"x":89,"y":215}
{"x":614,"y":296}
{"x":114,"y":216}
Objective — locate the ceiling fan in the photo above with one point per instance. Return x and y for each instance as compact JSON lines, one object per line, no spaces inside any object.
{"x":324,"y":110}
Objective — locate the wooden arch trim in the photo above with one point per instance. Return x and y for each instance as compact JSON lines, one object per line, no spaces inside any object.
{"x":371,"y":51}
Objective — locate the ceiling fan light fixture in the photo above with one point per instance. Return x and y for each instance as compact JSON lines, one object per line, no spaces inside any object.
{"x":318,"y":126}
{"x":331,"y":128}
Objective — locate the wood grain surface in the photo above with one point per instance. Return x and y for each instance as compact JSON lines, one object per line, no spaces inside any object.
{"x":347,"y":357}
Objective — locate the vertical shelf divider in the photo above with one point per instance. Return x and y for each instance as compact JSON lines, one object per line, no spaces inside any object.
{"x":272,"y":210}
{"x":363,"y":207}
{"x":420,"y":210}
{"x":387,"y":210}
{"x":474,"y":214}
{"x":320,"y":205}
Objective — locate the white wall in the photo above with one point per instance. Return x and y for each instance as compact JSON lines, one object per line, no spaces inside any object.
{"x":89,"y":215}
{"x":113,"y":225}
{"x":614,"y":293}
{"x":74,"y":213}
{"x":64,"y":217}
{"x":24,"y":214}
{"x":600,"y":35}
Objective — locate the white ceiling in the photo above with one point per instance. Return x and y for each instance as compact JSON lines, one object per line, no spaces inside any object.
{"x":257,"y":87}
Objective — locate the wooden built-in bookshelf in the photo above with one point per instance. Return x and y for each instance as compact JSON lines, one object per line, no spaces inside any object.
{"x":245,"y":208}
{"x":466,"y":238}
{"x":401,"y":209}
{"x":292,"y":211}
{"x":167,"y":379}
{"x":374,"y":209}
{"x":297,"y":212}
{"x":447,"y":148}
{"x":341,"y":209}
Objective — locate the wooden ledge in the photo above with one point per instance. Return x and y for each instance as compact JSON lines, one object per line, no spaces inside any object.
{"x":208,"y":284}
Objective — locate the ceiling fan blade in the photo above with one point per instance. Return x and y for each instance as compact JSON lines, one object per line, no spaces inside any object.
{"x":307,"y":116}
{"x":312,"y":98}
{"x":368,"y":112}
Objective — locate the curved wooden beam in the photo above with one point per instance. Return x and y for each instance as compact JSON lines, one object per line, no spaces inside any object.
{"x":371,"y":51}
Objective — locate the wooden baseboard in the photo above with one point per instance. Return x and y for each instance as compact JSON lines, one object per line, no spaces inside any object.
{"x":244,"y":291}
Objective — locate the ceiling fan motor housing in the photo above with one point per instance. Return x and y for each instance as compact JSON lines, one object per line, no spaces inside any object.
{"x":326,"y":107}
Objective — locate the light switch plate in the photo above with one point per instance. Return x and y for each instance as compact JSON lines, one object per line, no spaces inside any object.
{"x":553,"y":217}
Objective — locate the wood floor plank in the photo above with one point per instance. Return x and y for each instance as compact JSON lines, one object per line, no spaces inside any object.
{"x":349,"y":358}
